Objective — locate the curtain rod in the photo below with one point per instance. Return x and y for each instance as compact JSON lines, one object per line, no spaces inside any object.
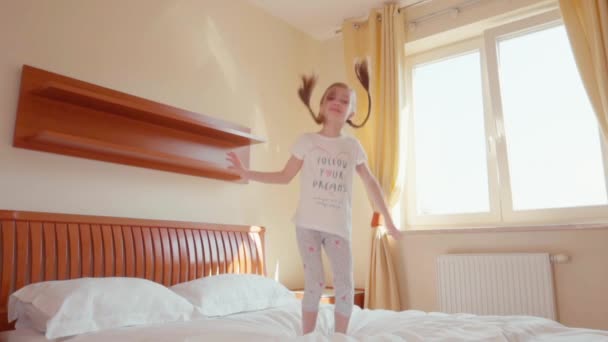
{"x":454,"y":11}
{"x":419,"y":2}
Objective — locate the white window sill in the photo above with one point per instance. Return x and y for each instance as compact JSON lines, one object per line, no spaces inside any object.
{"x":500,"y":229}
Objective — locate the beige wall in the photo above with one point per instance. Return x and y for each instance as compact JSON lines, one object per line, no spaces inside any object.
{"x":222,"y":58}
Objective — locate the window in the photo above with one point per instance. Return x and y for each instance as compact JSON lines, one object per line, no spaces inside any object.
{"x":502,"y":131}
{"x":553,"y":145}
{"x":449,"y":137}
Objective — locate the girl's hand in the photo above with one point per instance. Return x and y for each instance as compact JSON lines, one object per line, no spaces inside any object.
{"x":393,"y":231}
{"x":236,"y":166}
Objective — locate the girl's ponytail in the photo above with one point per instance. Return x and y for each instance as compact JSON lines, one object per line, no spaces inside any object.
{"x":363,"y":76}
{"x":305,"y":91}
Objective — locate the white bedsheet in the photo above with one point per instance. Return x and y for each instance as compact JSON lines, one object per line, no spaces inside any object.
{"x":283,"y":324}
{"x":276,"y":324}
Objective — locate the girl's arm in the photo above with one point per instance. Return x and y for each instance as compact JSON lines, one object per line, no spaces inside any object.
{"x":284,"y":176}
{"x":374,"y":192}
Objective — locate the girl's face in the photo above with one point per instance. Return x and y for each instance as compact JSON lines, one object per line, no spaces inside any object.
{"x":336,"y":105}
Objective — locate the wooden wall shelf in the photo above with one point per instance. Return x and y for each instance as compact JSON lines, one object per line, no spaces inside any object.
{"x":161,"y":160}
{"x":67,"y":116}
{"x":167,"y":117}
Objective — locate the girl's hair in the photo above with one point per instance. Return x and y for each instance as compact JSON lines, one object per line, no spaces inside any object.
{"x":308,"y":83}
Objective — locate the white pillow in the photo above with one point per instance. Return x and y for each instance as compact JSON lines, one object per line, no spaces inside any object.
{"x":76,"y":306}
{"x":226,"y":294}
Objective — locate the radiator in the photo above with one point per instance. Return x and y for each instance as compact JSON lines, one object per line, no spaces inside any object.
{"x":496,"y":284}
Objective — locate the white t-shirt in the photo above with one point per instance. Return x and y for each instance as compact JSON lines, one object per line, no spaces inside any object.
{"x":326,"y":182}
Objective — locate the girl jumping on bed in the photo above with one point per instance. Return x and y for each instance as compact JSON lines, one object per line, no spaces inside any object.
{"x":328,"y":159}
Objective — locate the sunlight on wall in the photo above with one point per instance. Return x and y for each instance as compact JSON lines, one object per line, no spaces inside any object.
{"x":277,"y":269}
{"x":222,"y":54}
{"x":259,"y":125}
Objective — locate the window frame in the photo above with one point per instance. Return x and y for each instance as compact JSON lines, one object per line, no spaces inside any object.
{"x":500,"y":198}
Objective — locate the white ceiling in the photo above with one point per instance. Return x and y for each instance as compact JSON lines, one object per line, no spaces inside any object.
{"x":320,"y":18}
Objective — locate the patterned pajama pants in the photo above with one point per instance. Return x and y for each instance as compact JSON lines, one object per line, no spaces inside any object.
{"x":338,"y":250}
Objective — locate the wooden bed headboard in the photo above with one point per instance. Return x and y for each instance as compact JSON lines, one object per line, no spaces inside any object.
{"x":36,"y":246}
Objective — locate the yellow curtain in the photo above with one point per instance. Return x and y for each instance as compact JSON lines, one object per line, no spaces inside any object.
{"x":381,"y":39}
{"x":587,"y":24}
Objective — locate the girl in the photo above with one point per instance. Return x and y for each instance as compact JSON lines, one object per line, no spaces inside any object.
{"x":328,"y":160}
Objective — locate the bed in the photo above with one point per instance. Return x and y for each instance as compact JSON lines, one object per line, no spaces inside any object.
{"x":229,"y":259}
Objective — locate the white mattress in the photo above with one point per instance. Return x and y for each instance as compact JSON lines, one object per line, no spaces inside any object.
{"x":283,"y":324}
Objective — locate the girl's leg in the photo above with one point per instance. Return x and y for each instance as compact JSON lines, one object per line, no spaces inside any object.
{"x":309,"y":244}
{"x":339,"y":253}
{"x":309,"y":321}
